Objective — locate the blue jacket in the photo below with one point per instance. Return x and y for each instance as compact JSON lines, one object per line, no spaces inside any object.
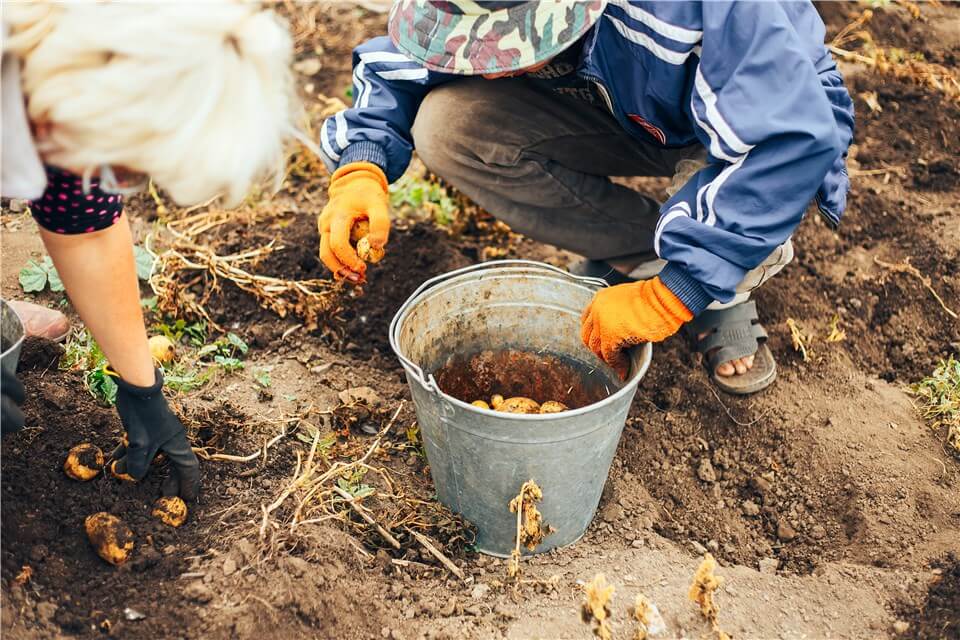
{"x":751,"y":81}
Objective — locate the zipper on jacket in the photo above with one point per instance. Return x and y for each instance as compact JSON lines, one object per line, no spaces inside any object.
{"x":602,"y":89}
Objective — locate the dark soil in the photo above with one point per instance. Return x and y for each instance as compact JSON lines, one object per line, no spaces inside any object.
{"x":938,"y":618}
{"x":43,"y":512}
{"x":73,"y":591}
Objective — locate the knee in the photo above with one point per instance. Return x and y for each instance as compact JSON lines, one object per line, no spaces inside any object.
{"x":452,"y":127}
{"x":438,"y":128}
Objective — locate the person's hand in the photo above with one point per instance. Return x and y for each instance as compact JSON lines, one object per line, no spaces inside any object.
{"x":626,"y":315}
{"x":151,"y":428}
{"x":11,"y":417}
{"x":358,"y":191}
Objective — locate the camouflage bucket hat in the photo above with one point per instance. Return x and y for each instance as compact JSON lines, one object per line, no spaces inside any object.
{"x":472,"y":37}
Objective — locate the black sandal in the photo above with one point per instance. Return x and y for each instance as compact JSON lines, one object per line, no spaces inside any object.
{"x":731,"y":334}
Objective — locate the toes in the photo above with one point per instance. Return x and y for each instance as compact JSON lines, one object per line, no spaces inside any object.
{"x":739,"y":366}
{"x":748,"y":362}
{"x":725,"y":369}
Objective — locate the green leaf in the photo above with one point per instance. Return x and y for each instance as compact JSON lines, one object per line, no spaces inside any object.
{"x":228,"y":364}
{"x":33,"y":277}
{"x":262,"y":377}
{"x":206,"y":350}
{"x":101,"y":385}
{"x":144,"y":262}
{"x":53,"y":278}
{"x":235,"y":340}
{"x":150,"y":304}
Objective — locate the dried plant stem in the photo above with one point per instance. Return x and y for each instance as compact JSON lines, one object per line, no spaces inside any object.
{"x":906,"y":267}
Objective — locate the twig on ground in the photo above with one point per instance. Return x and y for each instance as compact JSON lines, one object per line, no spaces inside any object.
{"x":436,"y":553}
{"x":906,"y":267}
{"x":361,"y":511}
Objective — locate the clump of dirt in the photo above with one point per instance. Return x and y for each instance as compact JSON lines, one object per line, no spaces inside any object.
{"x":39,"y":354}
{"x":511,"y":373}
{"x":939,"y":615}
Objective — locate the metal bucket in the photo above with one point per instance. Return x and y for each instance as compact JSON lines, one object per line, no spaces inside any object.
{"x":480,"y":458}
{"x":11,"y":338}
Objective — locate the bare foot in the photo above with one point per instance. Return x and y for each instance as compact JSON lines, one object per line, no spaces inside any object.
{"x":733,"y":367}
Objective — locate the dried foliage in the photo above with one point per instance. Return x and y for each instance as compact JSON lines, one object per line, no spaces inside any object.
{"x":909,"y":269}
{"x":902,"y":64}
{"x":341,"y":480}
{"x":649,"y":620}
{"x":702,"y":591}
{"x":189,"y":271}
{"x":531,"y":529}
{"x":595,"y":610}
{"x":799,"y":339}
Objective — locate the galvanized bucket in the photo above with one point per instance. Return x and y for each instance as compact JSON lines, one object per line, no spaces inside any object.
{"x":11,"y":338}
{"x":480,"y":458}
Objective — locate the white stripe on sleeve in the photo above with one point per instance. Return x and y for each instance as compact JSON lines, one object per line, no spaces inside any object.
{"x":325,"y":142}
{"x":403,"y":74}
{"x":678,"y":210}
{"x":713,"y":115}
{"x":715,"y":186}
{"x":645,"y":41}
{"x":371,"y":57}
{"x":680,"y":34}
{"x":341,"y":133}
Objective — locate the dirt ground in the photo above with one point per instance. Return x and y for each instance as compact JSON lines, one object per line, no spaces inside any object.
{"x":833,"y":510}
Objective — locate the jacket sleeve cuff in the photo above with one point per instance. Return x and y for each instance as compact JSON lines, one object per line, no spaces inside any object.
{"x":690,"y":292}
{"x":364,"y":151}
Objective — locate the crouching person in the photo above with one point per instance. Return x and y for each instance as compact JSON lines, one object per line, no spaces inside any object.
{"x":530,"y":107}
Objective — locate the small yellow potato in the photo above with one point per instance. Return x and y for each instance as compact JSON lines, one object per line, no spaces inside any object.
{"x":481,"y":404}
{"x":126,"y":477}
{"x":162,"y":349}
{"x":519,"y":405}
{"x":553,"y":406}
{"x":368,"y":253}
{"x":84,"y":462}
{"x":170,"y":510}
{"x":496,"y":401}
{"x":112,"y":539}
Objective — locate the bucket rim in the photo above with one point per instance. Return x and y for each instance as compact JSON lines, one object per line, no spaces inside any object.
{"x":23,"y":331}
{"x":641,"y":360}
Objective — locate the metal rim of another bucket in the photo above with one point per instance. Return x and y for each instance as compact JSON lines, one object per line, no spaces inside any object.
{"x":430,"y":383}
{"x":23,"y":331}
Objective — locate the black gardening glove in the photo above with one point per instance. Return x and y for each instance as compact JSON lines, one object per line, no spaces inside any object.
{"x":12,"y":391}
{"x":152,"y":427}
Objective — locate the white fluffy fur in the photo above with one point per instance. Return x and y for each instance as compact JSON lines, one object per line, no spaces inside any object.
{"x":197,"y":95}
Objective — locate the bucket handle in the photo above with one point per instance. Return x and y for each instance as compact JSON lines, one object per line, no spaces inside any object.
{"x":428,"y":380}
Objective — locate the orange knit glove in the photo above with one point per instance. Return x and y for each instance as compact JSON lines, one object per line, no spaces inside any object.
{"x":358,"y":191}
{"x":626,"y":315}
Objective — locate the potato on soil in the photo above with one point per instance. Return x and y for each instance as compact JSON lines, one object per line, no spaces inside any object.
{"x":126,"y":477}
{"x":84,"y":462}
{"x":162,"y":349}
{"x":481,"y":404}
{"x":170,"y":510}
{"x":112,"y":539}
{"x":553,"y":406}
